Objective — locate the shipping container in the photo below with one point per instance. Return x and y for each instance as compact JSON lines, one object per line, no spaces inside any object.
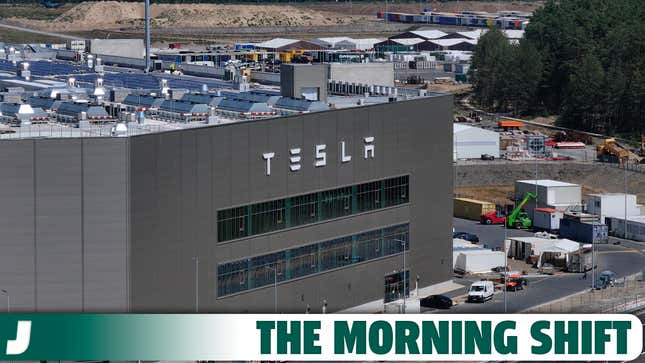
{"x":472,"y":209}
{"x":547,"y":219}
{"x":584,"y":232}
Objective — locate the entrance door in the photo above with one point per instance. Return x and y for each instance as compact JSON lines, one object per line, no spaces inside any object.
{"x":394,"y":286}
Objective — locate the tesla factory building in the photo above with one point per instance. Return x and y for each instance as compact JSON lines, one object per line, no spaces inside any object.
{"x":312,"y":208}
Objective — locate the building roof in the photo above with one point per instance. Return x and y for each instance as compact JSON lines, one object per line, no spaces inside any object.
{"x":330,"y":41}
{"x":208,"y":99}
{"x":563,"y":244}
{"x":260,"y":97}
{"x":300,"y":105}
{"x":74,"y":109}
{"x":407,"y":41}
{"x":452,"y":41}
{"x":231,"y":104}
{"x":429,"y":34}
{"x":183,"y":107}
{"x":549,"y":210}
{"x":143,"y":101}
{"x":459,"y":128}
{"x":548,"y":183}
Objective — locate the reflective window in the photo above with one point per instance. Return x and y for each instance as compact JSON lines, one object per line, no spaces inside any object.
{"x":236,"y":276}
{"x":310,"y":208}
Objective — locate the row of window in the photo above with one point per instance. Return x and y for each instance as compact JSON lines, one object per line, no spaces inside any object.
{"x":279,"y":214}
{"x":246,"y":274}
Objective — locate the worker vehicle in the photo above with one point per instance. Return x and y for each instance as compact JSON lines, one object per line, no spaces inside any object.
{"x":515,"y":282}
{"x":436,"y":302}
{"x":492,"y":217}
{"x":606,"y":279}
{"x":518,"y":217}
{"x":481,"y":291}
{"x":470,"y":237}
{"x":611,"y":151}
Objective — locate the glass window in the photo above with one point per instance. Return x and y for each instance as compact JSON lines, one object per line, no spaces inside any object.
{"x":303,"y":261}
{"x":336,"y":253}
{"x":336,"y":203}
{"x":232,"y":277}
{"x":263,"y":269}
{"x":396,"y":191}
{"x":267,"y":216}
{"x":394,"y":238}
{"x":368,"y":196}
{"x":368,"y":246}
{"x":310,"y":208}
{"x":304,"y":209}
{"x":231,"y":224}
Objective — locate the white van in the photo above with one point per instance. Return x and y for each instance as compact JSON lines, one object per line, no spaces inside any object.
{"x":481,"y":291}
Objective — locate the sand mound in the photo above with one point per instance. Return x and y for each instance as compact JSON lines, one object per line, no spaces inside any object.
{"x":107,"y":15}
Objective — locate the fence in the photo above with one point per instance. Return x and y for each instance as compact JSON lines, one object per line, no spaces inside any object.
{"x":627,"y":295}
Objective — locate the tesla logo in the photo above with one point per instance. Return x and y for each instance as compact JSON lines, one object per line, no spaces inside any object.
{"x":320,"y":155}
{"x":21,"y":343}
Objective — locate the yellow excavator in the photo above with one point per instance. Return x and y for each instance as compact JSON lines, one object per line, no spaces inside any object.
{"x":611,"y":151}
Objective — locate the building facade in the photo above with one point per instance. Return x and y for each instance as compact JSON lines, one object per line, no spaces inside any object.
{"x":315,"y":208}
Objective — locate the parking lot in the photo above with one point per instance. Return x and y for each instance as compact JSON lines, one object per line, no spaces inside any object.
{"x":624,"y":259}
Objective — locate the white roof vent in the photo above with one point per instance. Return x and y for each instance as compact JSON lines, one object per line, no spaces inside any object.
{"x":71,"y":82}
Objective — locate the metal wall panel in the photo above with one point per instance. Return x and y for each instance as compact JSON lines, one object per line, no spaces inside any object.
{"x":411,"y":138}
{"x":17,"y":208}
{"x":59,"y":262}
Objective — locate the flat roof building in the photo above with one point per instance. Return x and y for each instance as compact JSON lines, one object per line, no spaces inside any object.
{"x":324,"y":202}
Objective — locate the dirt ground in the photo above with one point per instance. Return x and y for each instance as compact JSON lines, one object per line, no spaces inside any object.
{"x":495,"y":182}
{"x":115,"y":15}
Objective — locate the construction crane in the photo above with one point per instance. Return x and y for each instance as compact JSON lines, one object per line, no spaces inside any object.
{"x":518,"y":217}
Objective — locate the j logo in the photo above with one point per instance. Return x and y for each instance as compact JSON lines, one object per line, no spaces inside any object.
{"x":21,"y":343}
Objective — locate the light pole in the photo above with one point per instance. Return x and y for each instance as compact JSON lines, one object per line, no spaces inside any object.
{"x":196,"y":259}
{"x":275,"y":287}
{"x":505,"y":260}
{"x":405,"y":285}
{"x":8,"y":299}
{"x":625,"y":185}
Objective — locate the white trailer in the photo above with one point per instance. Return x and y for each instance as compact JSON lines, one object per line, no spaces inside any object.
{"x":478,"y":261}
{"x":547,"y":219}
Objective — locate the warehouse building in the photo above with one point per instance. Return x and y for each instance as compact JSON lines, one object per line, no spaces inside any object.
{"x":613,"y":205}
{"x":473,"y":142}
{"x":207,"y":218}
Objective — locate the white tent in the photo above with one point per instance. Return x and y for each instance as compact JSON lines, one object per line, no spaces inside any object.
{"x":478,"y":260}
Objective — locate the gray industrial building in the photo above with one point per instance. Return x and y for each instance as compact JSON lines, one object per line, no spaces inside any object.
{"x":208,"y":218}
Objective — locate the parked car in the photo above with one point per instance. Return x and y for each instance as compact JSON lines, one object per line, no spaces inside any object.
{"x":436,"y":302}
{"x":487,"y":157}
{"x":547,"y":269}
{"x":466,"y":236}
{"x":481,"y":291}
{"x":516,"y":283}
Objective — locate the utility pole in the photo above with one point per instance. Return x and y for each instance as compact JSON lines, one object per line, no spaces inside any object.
{"x":625,"y":185}
{"x":505,"y":262}
{"x":147,"y":10}
{"x":196,"y":259}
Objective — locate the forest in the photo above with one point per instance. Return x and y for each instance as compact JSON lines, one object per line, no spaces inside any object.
{"x":582,"y":60}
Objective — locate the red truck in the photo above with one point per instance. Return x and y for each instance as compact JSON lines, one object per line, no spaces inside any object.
{"x":492,"y":217}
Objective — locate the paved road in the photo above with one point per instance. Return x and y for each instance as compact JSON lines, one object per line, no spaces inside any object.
{"x":624,"y":259}
{"x":28,"y":30}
